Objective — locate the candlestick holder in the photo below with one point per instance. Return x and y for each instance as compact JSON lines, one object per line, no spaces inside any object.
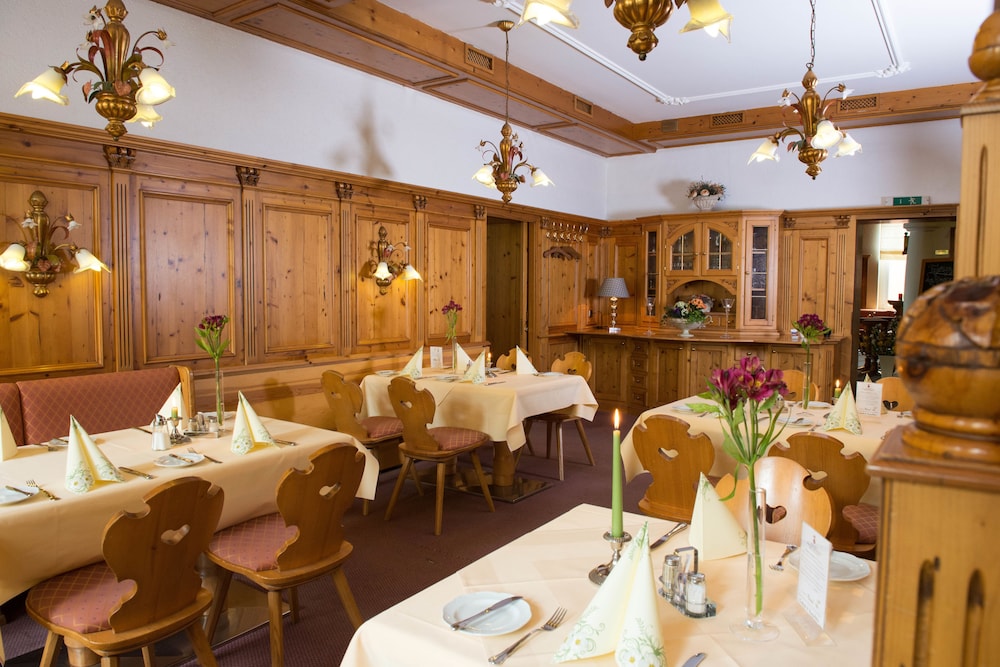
{"x":176,"y":436}
{"x":601,"y":572}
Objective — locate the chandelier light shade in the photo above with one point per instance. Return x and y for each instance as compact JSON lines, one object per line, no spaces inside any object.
{"x":389,"y":261}
{"x":818,"y":134}
{"x":503,"y":162}
{"x":121,"y":84}
{"x":46,"y":250}
{"x":549,"y":11}
{"x":643,"y":17}
{"x":708,"y":15}
{"x":614,"y":289}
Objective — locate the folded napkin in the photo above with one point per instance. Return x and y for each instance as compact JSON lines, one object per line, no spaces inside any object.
{"x":622,"y":616}
{"x":523,"y":364}
{"x":462,"y":358}
{"x":175,"y":400}
{"x":415,"y":366}
{"x":85,"y":463}
{"x":714,"y":531}
{"x":8,"y":446}
{"x":477,"y":371}
{"x":844,"y":414}
{"x":248,"y":430}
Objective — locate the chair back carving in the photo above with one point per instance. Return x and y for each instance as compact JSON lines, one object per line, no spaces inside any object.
{"x":415,"y":408}
{"x":675,"y":459}
{"x":508,"y":362}
{"x":345,"y":399}
{"x":844,"y":477}
{"x":893,"y":390}
{"x":796,"y":381}
{"x":789,"y":501}
{"x":574,"y":363}
{"x":159,"y":547}
{"x":314,"y":501}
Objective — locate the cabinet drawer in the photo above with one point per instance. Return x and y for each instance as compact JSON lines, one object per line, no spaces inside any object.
{"x":741,"y":351}
{"x":637,"y":397}
{"x":638,"y":364}
{"x":639,"y":347}
{"x":637,"y":380}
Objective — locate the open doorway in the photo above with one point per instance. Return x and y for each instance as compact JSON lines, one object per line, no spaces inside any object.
{"x":506,"y":284}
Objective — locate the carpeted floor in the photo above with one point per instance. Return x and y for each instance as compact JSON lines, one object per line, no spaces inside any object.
{"x":395,"y":559}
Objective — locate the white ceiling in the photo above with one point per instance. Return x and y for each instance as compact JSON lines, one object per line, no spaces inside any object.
{"x":873,"y":46}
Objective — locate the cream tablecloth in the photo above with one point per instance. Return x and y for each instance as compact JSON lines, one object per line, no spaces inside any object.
{"x":873,"y":430}
{"x":40,"y":538}
{"x":549,"y":567}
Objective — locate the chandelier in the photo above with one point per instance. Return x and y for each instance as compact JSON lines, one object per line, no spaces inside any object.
{"x":126,"y":88}
{"x":818,"y":134}
{"x":643,"y":17}
{"x":39,"y":256}
{"x":500,"y":172}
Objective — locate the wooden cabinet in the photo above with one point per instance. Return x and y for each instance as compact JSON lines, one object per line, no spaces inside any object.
{"x":638,"y":364}
{"x":757,"y":305}
{"x":666,"y":359}
{"x":702,"y":359}
{"x":608,"y":356}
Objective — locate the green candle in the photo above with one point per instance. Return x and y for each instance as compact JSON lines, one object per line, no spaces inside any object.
{"x":616,"y":480}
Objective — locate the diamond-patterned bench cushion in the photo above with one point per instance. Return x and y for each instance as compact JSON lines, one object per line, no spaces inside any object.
{"x":253,"y":544}
{"x":381,"y":427}
{"x":82,"y":599}
{"x":451,"y":438}
{"x":10,"y":403}
{"x":864,"y":518}
{"x":100,"y":402}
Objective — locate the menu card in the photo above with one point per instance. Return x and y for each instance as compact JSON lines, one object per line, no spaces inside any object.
{"x":437,"y":356}
{"x":814,"y":573}
{"x":869,"y":398}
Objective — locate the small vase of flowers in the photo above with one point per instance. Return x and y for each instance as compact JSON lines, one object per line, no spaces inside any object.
{"x":209,"y":334}
{"x":706,"y":194}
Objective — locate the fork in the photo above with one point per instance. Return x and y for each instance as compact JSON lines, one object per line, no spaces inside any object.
{"x":779,"y":566}
{"x":34,"y":484}
{"x":551,"y":624}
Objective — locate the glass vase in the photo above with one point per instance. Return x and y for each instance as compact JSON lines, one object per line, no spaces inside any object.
{"x":807,"y":380}
{"x":754,"y":627}
{"x":220,"y":406}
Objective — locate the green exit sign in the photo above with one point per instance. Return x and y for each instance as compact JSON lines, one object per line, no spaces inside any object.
{"x":910,"y":201}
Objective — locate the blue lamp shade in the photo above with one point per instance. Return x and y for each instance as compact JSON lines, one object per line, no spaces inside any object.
{"x":614,"y":287}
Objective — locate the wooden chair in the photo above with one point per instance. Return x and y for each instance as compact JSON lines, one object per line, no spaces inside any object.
{"x":441,"y":445}
{"x":303,"y":540}
{"x":508,"y":362}
{"x":789,"y":500}
{"x":845,"y":478}
{"x":146,"y":589}
{"x":796,"y":381}
{"x":574,"y":363}
{"x":676,"y":460}
{"x":376,"y":433}
{"x":894,"y":391}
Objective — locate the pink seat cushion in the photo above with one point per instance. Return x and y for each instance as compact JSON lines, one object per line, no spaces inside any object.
{"x":253,"y":544}
{"x":450,"y":438}
{"x":10,"y":403}
{"x":81,"y":600}
{"x":865,"y":519}
{"x":382,"y":427}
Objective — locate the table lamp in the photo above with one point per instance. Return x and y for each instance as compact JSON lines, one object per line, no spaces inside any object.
{"x":615,"y":289}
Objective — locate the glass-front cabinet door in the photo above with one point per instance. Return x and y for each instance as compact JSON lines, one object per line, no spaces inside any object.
{"x":702,"y":248}
{"x":652,"y":284}
{"x":760,"y":278}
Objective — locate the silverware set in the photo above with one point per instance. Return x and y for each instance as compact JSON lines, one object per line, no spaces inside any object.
{"x":557,"y":617}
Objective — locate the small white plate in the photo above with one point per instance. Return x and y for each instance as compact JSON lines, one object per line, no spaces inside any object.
{"x":385,"y":374}
{"x":506,"y":619}
{"x":843,"y":566}
{"x":182,"y":460}
{"x":549,"y":373}
{"x":683,"y":407}
{"x":446,"y":378}
{"x":817,"y":405}
{"x":795,"y":422}
{"x":8,"y":497}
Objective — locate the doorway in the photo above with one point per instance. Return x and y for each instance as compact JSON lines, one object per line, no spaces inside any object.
{"x":506,"y":284}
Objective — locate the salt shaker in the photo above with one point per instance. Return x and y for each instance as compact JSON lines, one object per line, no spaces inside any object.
{"x":213,"y":425}
{"x":161,"y":434}
{"x":696,"y":597}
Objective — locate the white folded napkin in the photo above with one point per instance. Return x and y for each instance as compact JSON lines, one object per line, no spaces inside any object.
{"x":248,"y":430}
{"x":523,"y":364}
{"x":844,"y":414}
{"x":462,"y":358}
{"x":85,"y":463}
{"x":477,"y":371}
{"x":175,"y":400}
{"x":415,"y":366}
{"x":714,"y":531}
{"x":622,"y":616}
{"x":8,"y":446}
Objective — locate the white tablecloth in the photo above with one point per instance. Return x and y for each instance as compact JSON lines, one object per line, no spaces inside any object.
{"x":873,"y":430}
{"x":549,"y":567}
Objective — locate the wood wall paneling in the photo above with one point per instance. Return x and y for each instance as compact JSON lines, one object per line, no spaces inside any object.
{"x":384,"y":321}
{"x":454,"y":248}
{"x":505,"y":283}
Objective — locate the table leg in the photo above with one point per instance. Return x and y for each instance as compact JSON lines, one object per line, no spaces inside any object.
{"x":505,"y":484}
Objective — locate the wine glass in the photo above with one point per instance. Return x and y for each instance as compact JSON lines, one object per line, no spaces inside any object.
{"x":728,"y":305}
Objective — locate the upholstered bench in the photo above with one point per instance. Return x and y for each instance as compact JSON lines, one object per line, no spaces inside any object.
{"x":39,"y":410}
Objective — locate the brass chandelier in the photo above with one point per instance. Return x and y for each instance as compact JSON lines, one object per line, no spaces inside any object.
{"x":643,"y":17}
{"x":500,"y":171}
{"x":126,"y":88}
{"x":818,"y":134}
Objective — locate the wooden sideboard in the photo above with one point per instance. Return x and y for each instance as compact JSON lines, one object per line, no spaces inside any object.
{"x":636,"y":370}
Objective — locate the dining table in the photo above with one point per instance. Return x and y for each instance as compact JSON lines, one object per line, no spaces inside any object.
{"x":873,"y":431}
{"x":549,"y":567}
{"x":498,"y":407}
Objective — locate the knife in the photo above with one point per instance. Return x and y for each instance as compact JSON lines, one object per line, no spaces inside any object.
{"x":14,"y":488}
{"x":673,"y":531}
{"x":458,"y":625}
{"x":137,"y":473}
{"x":694,"y":660}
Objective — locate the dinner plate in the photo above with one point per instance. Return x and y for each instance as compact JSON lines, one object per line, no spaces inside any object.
{"x":8,"y":497}
{"x":182,"y":460}
{"x":817,"y":405}
{"x":446,"y":378}
{"x":385,"y":374}
{"x":843,"y":566}
{"x":795,"y":422}
{"x":683,"y":407}
{"x":506,"y":619}
{"x":549,"y":373}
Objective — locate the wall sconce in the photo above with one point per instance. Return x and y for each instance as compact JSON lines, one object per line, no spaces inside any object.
{"x":614,"y":288}
{"x":384,"y":267}
{"x":39,"y":257}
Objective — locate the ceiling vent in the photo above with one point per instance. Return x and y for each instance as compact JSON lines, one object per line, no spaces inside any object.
{"x":727,"y":119}
{"x":668,"y":125}
{"x":864,"y":103}
{"x":478,"y":59}
{"x":583,"y":106}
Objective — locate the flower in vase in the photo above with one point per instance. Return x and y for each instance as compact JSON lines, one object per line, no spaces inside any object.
{"x":209,"y":335}
{"x":451,"y":311}
{"x":811,"y":328}
{"x":693,"y":310}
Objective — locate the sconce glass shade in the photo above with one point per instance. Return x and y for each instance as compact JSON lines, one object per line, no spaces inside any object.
{"x":382,"y":272}
{"x":709,"y":15}
{"x":410,"y":273}
{"x":550,"y":11}
{"x":155,"y":89}
{"x":768,"y":150}
{"x":614,"y":287}
{"x":12,"y":258}
{"x":46,"y":86}
{"x":538,"y":177}
{"x":146,"y":115}
{"x":827,"y":135}
{"x":847,"y":147}
{"x":86,"y":261}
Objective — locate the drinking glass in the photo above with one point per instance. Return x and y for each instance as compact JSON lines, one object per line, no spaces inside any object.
{"x":728,"y":305}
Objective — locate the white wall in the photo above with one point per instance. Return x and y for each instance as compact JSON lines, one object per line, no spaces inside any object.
{"x":243,"y":94}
